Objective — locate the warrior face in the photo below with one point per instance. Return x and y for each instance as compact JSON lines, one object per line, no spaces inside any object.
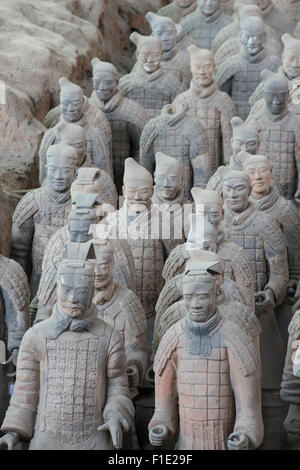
{"x":78,"y":144}
{"x":167,"y":186}
{"x":104,"y":266}
{"x":138,"y":194}
{"x":166,"y":33}
{"x":247,"y":144}
{"x":71,"y":106}
{"x":149,"y":57}
{"x":260,"y":174}
{"x":60,"y":173}
{"x":74,"y":293}
{"x":105,"y":85}
{"x":199,"y":298}
{"x":275,"y":100}
{"x":209,"y":7}
{"x":253,"y":36}
{"x":79,"y":230}
{"x":236,"y":193}
{"x":203,"y":72}
{"x":291,"y":62}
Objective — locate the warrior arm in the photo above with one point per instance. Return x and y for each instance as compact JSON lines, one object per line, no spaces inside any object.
{"x":21,"y":241}
{"x":166,"y":396}
{"x":20,"y":416}
{"x":118,"y":404}
{"x":278,"y":275}
{"x":147,"y":157}
{"x":247,"y":395}
{"x":228,"y":111}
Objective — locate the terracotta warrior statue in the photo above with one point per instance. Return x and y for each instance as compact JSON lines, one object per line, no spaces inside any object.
{"x":177,"y":9}
{"x":75,"y":136}
{"x":238,"y":266}
{"x":290,"y":69}
{"x":279,"y":134}
{"x":126,"y":117}
{"x":244,"y":138}
{"x":120,"y":308}
{"x":75,"y":108}
{"x":203,"y":24}
{"x":87,"y":211}
{"x":213,"y":108}
{"x":179,"y":134}
{"x":269,"y":202}
{"x":168,"y":195}
{"x":71,"y":390}
{"x":239,"y":75}
{"x":174,"y":60}
{"x":207,"y":373}
{"x":290,"y":385}
{"x":227,"y":43}
{"x":41,"y":212}
{"x":275,"y":17}
{"x":150,"y":85}
{"x":265,"y":244}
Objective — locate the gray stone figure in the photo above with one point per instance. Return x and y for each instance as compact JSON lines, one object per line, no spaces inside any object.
{"x":213,"y":108}
{"x":180,"y":135}
{"x":239,"y":75}
{"x":42,"y":212}
{"x":207,"y":373}
{"x":75,"y":108}
{"x":265,"y":244}
{"x":279,"y":134}
{"x":126,"y":117}
{"x":151,"y":86}
{"x":203,"y":24}
{"x":71,"y":390}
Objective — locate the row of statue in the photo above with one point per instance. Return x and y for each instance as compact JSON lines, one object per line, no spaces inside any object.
{"x":152,"y":289}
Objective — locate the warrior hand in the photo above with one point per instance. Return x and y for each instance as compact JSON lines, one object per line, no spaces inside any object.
{"x":294,"y":346}
{"x":133,"y":375}
{"x":9,"y":440}
{"x":238,"y":441}
{"x":157,"y":435}
{"x":265,"y":299}
{"x":115,"y":428}
{"x":12,"y":359}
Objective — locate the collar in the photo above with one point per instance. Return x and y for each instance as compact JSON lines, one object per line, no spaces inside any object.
{"x":110,"y":105}
{"x":210,"y":18}
{"x":104,"y":295}
{"x":202,"y":92}
{"x":197,"y":335}
{"x":170,"y":54}
{"x":149,"y":77}
{"x":267,"y":201}
{"x":238,"y":218}
{"x":56,"y":197}
{"x":59,"y":322}
{"x":253,"y":59}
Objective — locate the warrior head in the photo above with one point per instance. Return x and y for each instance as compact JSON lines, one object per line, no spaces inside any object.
{"x":252,"y":34}
{"x":168,"y":176}
{"x":104,"y":262}
{"x":71,"y":100}
{"x":208,"y":204}
{"x":291,"y":56}
{"x":105,"y":79}
{"x":202,"y":65}
{"x":236,"y":189}
{"x":244,"y":137}
{"x":164,"y":29}
{"x":209,"y":7}
{"x":86,"y":210}
{"x":149,"y":51}
{"x":137,"y":186}
{"x":259,"y":170}
{"x":60,"y":167}
{"x":74,"y":136}
{"x":275,"y":92}
{"x":202,"y":235}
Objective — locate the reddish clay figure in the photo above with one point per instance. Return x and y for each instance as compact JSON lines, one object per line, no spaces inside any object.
{"x":269,"y":202}
{"x":279,"y":135}
{"x":239,"y":75}
{"x":75,"y":108}
{"x":71,"y":390}
{"x":227,"y":43}
{"x":178,"y":133}
{"x":265,"y":244}
{"x":43,"y":211}
{"x":213,"y":108}
{"x":126,"y":117}
{"x":150,"y":85}
{"x":75,"y":136}
{"x":177,"y":9}
{"x":120,"y":308}
{"x":203,"y":24}
{"x":207,"y":373}
{"x":244,"y":138}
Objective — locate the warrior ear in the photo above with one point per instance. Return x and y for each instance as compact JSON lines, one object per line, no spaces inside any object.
{"x":135,"y":37}
{"x":236,"y":121}
{"x":286,"y":38}
{"x":266,"y":75}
